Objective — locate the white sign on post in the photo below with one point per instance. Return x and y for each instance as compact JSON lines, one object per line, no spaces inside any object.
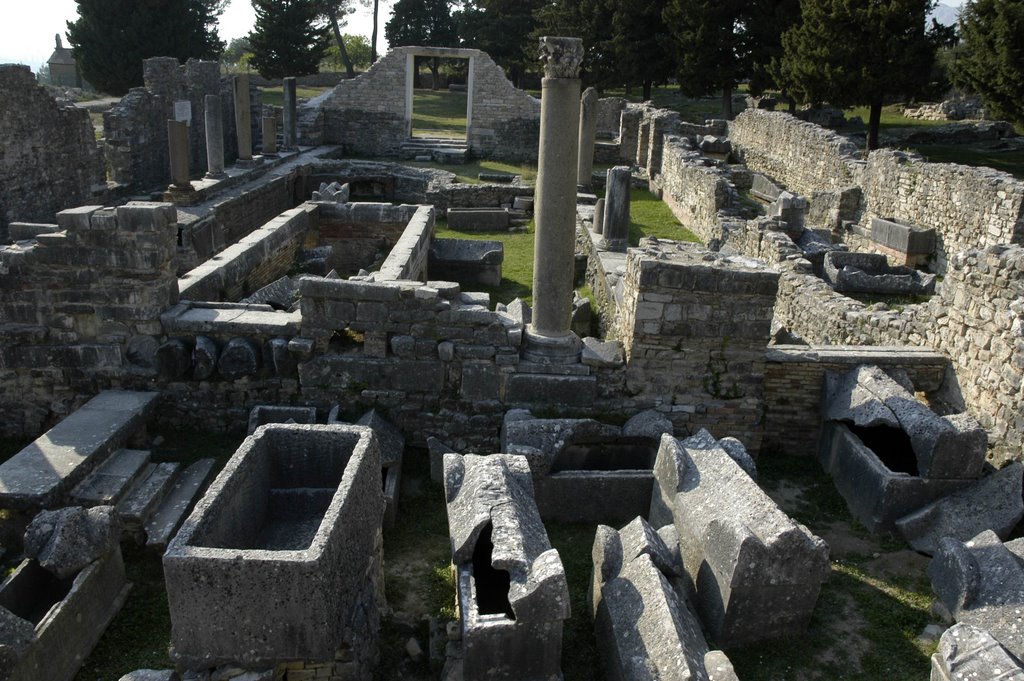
{"x":183,"y":111}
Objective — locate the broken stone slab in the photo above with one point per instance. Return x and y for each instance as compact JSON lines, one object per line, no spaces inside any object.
{"x":755,"y":572}
{"x":710,"y":144}
{"x":849,"y":272}
{"x":279,"y":294}
{"x":436,"y":451}
{"x":239,"y":359}
{"x":644,"y":626}
{"x":263,"y":414}
{"x":951,"y":447}
{"x":967,"y":652}
{"x":981,"y":583}
{"x":16,"y":636}
{"x":992,"y":503}
{"x":602,"y":354}
{"x":151,"y":675}
{"x":540,"y":440}
{"x":649,"y":423}
{"x":111,"y":479}
{"x":66,"y":540}
{"x":176,"y":504}
{"x":40,"y":474}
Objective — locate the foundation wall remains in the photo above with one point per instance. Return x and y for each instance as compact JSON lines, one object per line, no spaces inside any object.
{"x":50,"y":159}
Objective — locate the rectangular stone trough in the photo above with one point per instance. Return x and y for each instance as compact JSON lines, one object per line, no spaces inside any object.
{"x":70,"y":615}
{"x":272,"y":564}
{"x":467,"y":261}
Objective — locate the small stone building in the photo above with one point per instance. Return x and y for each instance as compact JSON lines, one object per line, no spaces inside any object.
{"x":63,"y":67}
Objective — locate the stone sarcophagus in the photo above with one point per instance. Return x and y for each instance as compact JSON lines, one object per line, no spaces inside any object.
{"x":512,"y":592}
{"x":280,"y":560}
{"x":755,"y":572}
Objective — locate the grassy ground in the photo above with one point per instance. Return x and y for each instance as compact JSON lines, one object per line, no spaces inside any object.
{"x":274,"y":96}
{"x":648,"y":217}
{"x":892,"y":117}
{"x":438,"y":113}
{"x":140,"y":635}
{"x":468,"y":173}
{"x":1008,"y":161}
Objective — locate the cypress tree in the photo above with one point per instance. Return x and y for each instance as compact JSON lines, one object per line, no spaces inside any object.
{"x":288,"y":39}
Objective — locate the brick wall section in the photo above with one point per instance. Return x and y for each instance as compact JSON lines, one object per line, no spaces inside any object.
{"x":50,"y":159}
{"x":802,"y":156}
{"x":795,"y":377}
{"x":367,"y":114}
{"x":264,"y":255}
{"x":694,"y":328}
{"x":968,"y":207}
{"x":72,"y":301}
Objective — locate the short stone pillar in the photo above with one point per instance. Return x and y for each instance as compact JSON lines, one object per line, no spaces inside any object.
{"x":549,"y":338}
{"x":616,"y":209}
{"x":177,"y":142}
{"x":214,"y":138}
{"x":291,"y":137}
{"x":243,"y":126}
{"x":597,"y":226}
{"x":269,"y":136}
{"x":588,"y":130}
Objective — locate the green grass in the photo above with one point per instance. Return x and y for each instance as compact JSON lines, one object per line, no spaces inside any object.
{"x":468,"y":173}
{"x":574,"y":541}
{"x":650,"y":216}
{"x":438,"y":113}
{"x":274,"y":96}
{"x":1008,"y":161}
{"x":517,"y":268}
{"x":892,"y":117}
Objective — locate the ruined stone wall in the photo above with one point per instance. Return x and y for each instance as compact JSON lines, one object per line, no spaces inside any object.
{"x":696,"y":193}
{"x":49,"y":158}
{"x":804,"y":157}
{"x":74,"y":303}
{"x":361,"y":234}
{"x":968,"y":207}
{"x":609,"y":111}
{"x":135,"y":129}
{"x":694,"y":327}
{"x":367,"y":115}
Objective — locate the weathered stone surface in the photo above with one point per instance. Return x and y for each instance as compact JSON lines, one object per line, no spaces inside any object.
{"x":601,"y":354}
{"x":262,"y":414}
{"x":870,"y":273}
{"x":993,"y":503}
{"x":174,"y":359}
{"x":204,"y":358}
{"x":316,"y":568}
{"x":587,"y":130}
{"x":615,"y":225}
{"x":279,"y":359}
{"x":151,"y":675}
{"x":981,"y":583}
{"x":650,"y":423}
{"x":967,"y":652}
{"x":16,"y":635}
{"x":756,"y":573}
{"x":67,"y":540}
{"x":539,"y":440}
{"x":240,"y":358}
{"x":494,"y":524}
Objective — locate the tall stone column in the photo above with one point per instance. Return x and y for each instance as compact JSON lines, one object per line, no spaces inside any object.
{"x":291,"y":136}
{"x":214,"y":138}
{"x":616,"y":209}
{"x":549,"y":337}
{"x":177,"y":144}
{"x":243,"y":125}
{"x":588,"y":130}
{"x":598,"y":224}
{"x":269,"y":136}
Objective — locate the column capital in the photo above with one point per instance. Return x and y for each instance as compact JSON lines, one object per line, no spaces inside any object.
{"x":561,"y":57}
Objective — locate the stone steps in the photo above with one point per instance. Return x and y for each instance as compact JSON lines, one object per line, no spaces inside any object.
{"x":109,"y":482}
{"x":439,"y":149}
{"x":164,"y":522}
{"x":145,"y":495}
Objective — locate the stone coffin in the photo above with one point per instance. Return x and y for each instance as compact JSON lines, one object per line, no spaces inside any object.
{"x":906,"y":240}
{"x":280,"y":559}
{"x":755,"y":572}
{"x":69,"y":615}
{"x":870,"y":273}
{"x":511,"y":587}
{"x":584,"y":470}
{"x":392,"y":451}
{"x":643,"y":623}
{"x":981,"y":583}
{"x":967,"y":652}
{"x":467,"y":261}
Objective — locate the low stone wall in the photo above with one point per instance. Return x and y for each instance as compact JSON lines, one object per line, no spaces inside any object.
{"x":361,"y":235}
{"x":259,"y":258}
{"x":804,"y":157}
{"x":50,"y":160}
{"x":968,"y":207}
{"x":695,"y":192}
{"x":408,"y":258}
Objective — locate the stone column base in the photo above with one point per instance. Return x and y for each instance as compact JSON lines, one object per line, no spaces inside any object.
{"x":249,"y":162}
{"x":544,"y":349}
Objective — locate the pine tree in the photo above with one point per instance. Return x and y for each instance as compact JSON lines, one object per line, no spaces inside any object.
{"x":288,"y":38}
{"x":639,"y":38}
{"x":990,"y":59}
{"x":849,"y":52}
{"x":112,"y":37}
{"x":422,"y":22}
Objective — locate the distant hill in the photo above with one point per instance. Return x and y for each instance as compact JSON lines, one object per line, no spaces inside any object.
{"x":944,"y":14}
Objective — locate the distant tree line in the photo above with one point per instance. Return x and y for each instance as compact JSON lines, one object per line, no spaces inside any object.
{"x":843,"y":52}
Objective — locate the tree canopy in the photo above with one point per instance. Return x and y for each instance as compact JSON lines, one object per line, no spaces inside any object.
{"x":288,"y":38}
{"x":421,"y":22}
{"x":990,"y":59}
{"x":112,"y":37}
{"x":850,"y":52}
{"x":503,"y":29}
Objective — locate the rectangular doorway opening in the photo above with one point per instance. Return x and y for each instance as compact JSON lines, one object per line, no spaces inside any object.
{"x":440,"y":98}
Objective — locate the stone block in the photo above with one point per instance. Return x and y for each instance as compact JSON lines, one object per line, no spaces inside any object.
{"x":967,"y":652}
{"x":262,"y":414}
{"x":291,"y":527}
{"x":478,"y":219}
{"x":902,"y":238}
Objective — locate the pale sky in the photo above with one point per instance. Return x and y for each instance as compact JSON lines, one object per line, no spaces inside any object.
{"x":27,"y":28}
